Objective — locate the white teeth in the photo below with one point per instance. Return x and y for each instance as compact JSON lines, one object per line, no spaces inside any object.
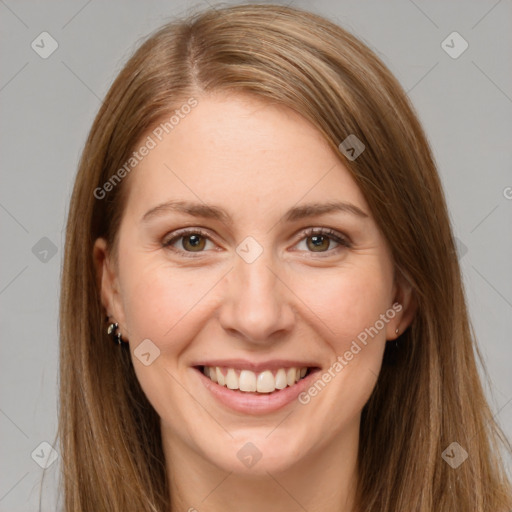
{"x":232,"y":380}
{"x":246,"y":380}
{"x":221,"y":380}
{"x":281,"y":379}
{"x":266,"y":382}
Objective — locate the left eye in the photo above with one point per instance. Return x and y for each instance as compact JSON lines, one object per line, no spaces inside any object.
{"x":321,"y":239}
{"x":194,"y":240}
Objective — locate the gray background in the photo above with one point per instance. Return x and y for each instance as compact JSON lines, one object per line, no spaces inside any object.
{"x":47,"y":107}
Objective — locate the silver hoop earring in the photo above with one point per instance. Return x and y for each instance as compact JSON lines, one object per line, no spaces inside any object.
{"x":116,"y":336}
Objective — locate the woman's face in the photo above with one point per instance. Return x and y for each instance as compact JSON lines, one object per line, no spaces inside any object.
{"x":253,"y":290}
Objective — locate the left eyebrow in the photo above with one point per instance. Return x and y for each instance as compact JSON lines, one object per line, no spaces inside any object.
{"x":315,"y":209}
{"x":216,"y":212}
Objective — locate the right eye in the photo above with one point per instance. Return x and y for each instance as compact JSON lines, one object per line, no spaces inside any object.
{"x":193,"y":241}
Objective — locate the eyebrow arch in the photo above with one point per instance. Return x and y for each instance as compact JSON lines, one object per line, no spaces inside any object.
{"x":214,"y":212}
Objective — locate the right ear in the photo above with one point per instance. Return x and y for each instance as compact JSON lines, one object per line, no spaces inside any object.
{"x":107,"y":280}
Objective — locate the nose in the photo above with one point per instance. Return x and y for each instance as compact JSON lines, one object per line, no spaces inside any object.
{"x":258,"y":303}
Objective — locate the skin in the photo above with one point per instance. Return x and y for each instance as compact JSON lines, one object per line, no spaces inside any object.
{"x":294,"y":301}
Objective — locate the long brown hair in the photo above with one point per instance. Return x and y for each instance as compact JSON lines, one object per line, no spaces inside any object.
{"x":428,"y":393}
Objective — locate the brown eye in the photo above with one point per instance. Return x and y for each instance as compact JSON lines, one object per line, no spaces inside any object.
{"x":188,"y":242}
{"x":194,"y":242}
{"x":319,"y":242}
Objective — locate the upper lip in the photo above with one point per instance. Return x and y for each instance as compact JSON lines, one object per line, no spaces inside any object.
{"x":244,"y":364}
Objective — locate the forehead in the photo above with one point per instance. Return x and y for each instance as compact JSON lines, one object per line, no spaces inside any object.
{"x":241,"y":152}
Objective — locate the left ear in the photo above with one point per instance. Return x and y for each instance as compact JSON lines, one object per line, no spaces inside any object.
{"x":405,"y":296}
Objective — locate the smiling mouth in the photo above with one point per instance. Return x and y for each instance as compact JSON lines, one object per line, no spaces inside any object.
{"x":247,"y":381}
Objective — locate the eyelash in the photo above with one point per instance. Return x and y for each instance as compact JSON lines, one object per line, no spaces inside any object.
{"x":331,"y":234}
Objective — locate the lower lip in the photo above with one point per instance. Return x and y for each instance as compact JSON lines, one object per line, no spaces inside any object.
{"x":256,"y":403}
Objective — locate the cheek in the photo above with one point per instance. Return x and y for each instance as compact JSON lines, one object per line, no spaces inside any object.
{"x":348,"y":305}
{"x":159,"y":298}
{"x":163,"y":304}
{"x":346,"y":300}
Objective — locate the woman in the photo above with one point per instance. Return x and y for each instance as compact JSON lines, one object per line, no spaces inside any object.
{"x":261,"y":302}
